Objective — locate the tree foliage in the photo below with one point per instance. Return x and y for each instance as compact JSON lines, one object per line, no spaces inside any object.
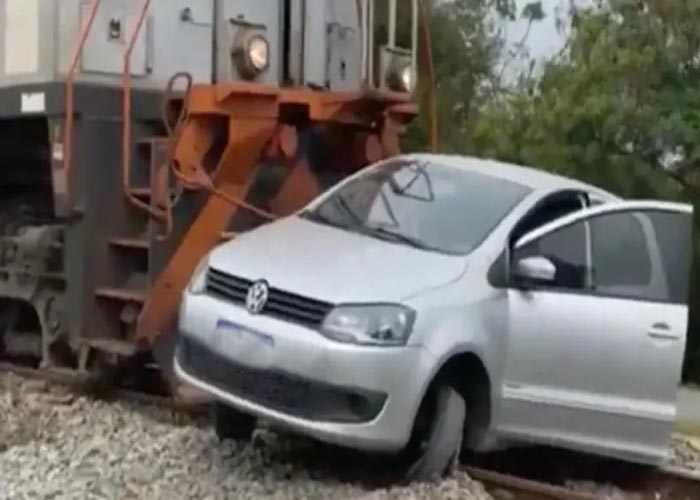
{"x":466,"y":46}
{"x":619,"y":107}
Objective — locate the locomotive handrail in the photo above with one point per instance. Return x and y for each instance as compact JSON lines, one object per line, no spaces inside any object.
{"x":70,"y":88}
{"x":126,"y":123}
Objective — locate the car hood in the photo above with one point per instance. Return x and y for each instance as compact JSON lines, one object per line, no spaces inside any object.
{"x":334,"y":265}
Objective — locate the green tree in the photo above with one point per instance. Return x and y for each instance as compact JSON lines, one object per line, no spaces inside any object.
{"x":466,"y":46}
{"x":620,"y":108}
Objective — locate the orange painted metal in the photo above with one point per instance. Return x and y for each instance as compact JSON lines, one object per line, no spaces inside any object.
{"x":191,"y":139}
{"x":365,"y":125}
{"x":250,"y":138}
{"x":298,"y":189}
{"x":62,"y":178}
{"x":350,"y":108}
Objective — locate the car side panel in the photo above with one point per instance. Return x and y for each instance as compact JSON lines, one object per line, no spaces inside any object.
{"x":468,"y":316}
{"x":582,"y":371}
{"x":596,"y":372}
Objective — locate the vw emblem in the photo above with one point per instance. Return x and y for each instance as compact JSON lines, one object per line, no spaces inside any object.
{"x":257,"y":297}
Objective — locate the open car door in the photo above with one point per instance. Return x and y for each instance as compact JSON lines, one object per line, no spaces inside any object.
{"x":598,"y":305}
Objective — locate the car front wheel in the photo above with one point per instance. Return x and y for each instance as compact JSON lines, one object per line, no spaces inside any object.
{"x":436,"y":441}
{"x":230,"y":423}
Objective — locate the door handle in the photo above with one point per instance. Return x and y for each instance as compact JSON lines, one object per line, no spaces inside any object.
{"x":661,"y":331}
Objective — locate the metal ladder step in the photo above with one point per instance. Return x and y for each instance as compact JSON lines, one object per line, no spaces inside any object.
{"x":122,"y":294}
{"x":131,"y":243}
{"x":134,"y":291}
{"x":157,"y":141}
{"x":112,"y":346}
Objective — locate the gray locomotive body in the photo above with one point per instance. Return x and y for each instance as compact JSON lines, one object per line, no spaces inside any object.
{"x":76,"y":258}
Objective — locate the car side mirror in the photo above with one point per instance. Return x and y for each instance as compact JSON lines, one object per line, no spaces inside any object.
{"x":536,"y":269}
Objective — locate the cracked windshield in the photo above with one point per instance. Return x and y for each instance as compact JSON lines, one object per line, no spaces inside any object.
{"x":421,"y":204}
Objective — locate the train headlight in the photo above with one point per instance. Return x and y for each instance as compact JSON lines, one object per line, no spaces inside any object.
{"x":400,"y":75}
{"x":258,"y":53}
{"x":406,"y":77}
{"x":251,"y":51}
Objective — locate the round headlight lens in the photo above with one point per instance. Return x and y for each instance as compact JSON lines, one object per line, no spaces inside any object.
{"x":251,"y":53}
{"x":258,"y":52}
{"x":406,"y":77}
{"x":400,"y":75}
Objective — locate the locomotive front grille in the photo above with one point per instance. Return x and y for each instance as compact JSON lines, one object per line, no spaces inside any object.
{"x":280,"y":304}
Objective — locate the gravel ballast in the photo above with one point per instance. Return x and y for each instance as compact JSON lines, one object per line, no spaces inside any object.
{"x":57,"y":445}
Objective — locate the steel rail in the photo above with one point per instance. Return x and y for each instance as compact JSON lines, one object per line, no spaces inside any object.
{"x":663,"y":483}
{"x":525,"y":489}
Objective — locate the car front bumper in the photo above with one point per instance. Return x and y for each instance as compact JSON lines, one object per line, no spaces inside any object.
{"x":355,"y":396}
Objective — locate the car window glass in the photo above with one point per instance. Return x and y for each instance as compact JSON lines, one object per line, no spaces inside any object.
{"x":625,"y":264}
{"x":621,"y":261}
{"x":438,"y":207}
{"x":673,"y":233}
{"x":556,"y":206}
{"x":566,"y":249}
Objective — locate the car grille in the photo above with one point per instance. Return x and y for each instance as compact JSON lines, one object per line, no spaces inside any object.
{"x":280,"y":304}
{"x":280,"y":391}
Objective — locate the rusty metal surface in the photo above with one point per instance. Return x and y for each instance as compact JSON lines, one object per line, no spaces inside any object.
{"x":245,"y":99}
{"x":249,"y":139}
{"x":670,"y":483}
{"x":254,"y":116}
{"x":523,"y":489}
{"x":186,"y":400}
{"x":299,"y":187}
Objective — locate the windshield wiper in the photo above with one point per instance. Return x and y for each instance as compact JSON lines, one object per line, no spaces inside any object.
{"x":403,"y":238}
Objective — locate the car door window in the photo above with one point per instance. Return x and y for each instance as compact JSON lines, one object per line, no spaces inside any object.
{"x":551,"y":208}
{"x":620,"y":251}
{"x":641,"y":255}
{"x":566,"y":249}
{"x":633,"y":254}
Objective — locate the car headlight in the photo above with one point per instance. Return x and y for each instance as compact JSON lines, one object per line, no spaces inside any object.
{"x":198,"y":281}
{"x":381,"y":325}
{"x":252,"y":52}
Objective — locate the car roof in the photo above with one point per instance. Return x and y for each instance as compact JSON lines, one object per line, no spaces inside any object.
{"x":531,"y":177}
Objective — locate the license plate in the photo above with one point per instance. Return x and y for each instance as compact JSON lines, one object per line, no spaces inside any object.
{"x":244,"y":345}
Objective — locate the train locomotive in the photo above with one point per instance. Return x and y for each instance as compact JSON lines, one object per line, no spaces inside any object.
{"x":138,"y":134}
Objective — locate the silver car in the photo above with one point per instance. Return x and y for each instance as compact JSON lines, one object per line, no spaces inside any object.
{"x":432,"y":304}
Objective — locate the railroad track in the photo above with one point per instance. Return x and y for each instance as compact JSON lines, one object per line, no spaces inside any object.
{"x":186,"y":403}
{"x":665,"y":483}
{"x":506,"y":486}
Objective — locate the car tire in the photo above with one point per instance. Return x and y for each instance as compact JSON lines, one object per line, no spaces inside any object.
{"x":435,"y":446}
{"x":230,"y":423}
